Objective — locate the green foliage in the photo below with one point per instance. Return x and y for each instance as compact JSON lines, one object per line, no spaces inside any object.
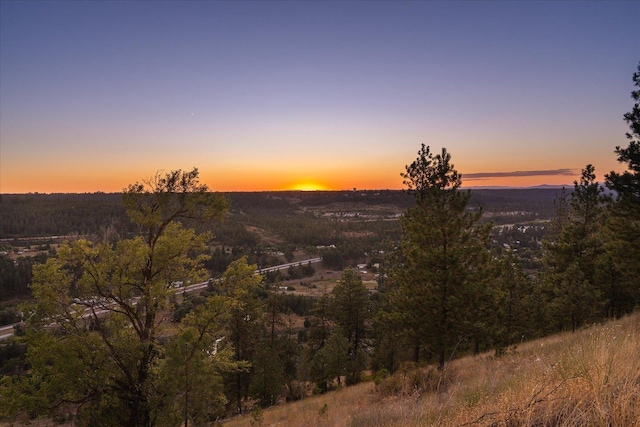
{"x":29,"y":215}
{"x":12,"y":358}
{"x":299,"y":304}
{"x":9,"y":315}
{"x":333,"y":258}
{"x":93,"y":340}
{"x":244,"y":326}
{"x":429,"y":175}
{"x":191,"y":371}
{"x":330,"y":361}
{"x":15,"y":277}
{"x":572,"y":259}
{"x":350,"y":310}
{"x":320,"y":322}
{"x":627,"y":183}
{"x":327,"y":348}
{"x":518,"y":302}
{"x":296,"y":272}
{"x":176,"y":195}
{"x":276,"y":357}
{"x":439,"y":268}
{"x":410,"y":380}
{"x":257,"y":416}
{"x":624,"y":222}
{"x":268,"y":375}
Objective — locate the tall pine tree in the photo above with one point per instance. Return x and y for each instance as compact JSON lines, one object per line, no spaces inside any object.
{"x":351,"y":310}
{"x":573,"y":257}
{"x":440,"y":260}
{"x":624,"y":221}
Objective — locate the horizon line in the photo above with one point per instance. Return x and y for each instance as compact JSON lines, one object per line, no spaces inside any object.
{"x":327,"y":190}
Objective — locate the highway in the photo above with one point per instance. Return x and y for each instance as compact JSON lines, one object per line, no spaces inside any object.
{"x":7,"y":331}
{"x":291,"y":264}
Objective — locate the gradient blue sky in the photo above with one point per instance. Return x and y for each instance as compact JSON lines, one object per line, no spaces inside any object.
{"x":273,"y":95}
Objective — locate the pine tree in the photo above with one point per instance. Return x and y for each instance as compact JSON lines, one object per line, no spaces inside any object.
{"x":319,"y":331}
{"x":517,"y":305}
{"x":572,"y":259}
{"x":350,"y":309}
{"x":624,"y":221}
{"x":244,"y":328}
{"x":439,"y":262}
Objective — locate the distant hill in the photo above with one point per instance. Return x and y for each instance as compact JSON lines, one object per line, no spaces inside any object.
{"x":508,"y":187}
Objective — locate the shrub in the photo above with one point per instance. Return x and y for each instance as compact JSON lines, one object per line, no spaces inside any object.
{"x":410,"y":380}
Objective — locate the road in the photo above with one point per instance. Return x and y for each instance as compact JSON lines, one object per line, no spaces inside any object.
{"x":7,"y":331}
{"x":291,"y":264}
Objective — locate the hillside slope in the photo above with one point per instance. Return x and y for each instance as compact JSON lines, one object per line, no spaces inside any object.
{"x":591,"y":377}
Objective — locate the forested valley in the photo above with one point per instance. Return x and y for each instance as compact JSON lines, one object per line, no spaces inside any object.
{"x":110,"y":335}
{"x":348,"y":227}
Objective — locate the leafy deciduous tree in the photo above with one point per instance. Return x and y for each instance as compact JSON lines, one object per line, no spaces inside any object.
{"x":104,"y":301}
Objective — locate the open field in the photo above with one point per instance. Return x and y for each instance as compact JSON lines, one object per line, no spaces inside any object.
{"x":590,"y":378}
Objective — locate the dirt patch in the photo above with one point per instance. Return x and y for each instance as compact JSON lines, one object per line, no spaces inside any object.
{"x":354,"y":211}
{"x":324,"y":281}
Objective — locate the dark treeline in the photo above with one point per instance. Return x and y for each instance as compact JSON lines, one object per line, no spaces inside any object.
{"x":509,"y":205}
{"x":42,"y":215}
{"x":37,"y":215}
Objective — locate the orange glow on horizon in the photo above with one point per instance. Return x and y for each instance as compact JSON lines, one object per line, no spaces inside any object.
{"x":115,"y":184}
{"x":309,"y":186}
{"x":85,"y":180}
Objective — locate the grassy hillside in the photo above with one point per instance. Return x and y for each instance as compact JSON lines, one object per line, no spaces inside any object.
{"x":589,"y":378}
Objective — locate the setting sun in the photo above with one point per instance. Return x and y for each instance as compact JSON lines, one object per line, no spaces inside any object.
{"x":309,"y":186}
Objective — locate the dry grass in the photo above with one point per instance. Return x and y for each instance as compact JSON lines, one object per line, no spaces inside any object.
{"x":590,"y":378}
{"x":331,"y":409}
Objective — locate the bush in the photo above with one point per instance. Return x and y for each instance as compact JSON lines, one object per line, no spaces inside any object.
{"x":410,"y":380}
{"x":380,"y":375}
{"x":297,"y":390}
{"x":9,"y":316}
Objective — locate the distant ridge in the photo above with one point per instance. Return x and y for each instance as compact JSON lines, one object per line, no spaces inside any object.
{"x":509,"y":187}
{"x":553,"y":186}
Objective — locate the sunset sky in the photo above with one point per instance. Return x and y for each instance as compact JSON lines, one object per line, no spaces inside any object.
{"x":282,"y":95}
